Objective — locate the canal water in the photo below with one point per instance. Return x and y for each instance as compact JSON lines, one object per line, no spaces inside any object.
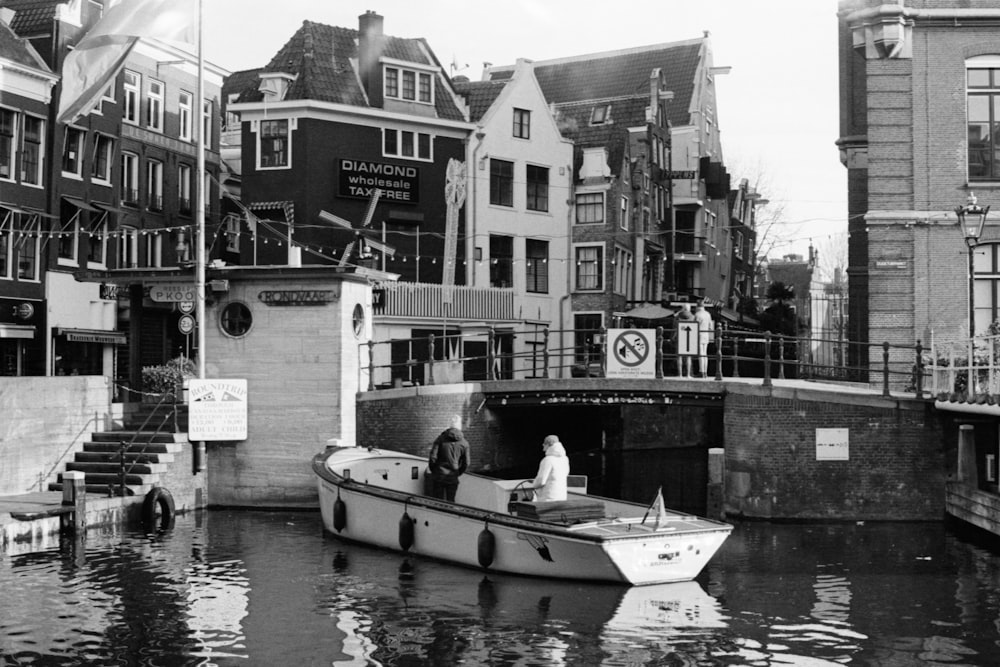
{"x":263,"y":588}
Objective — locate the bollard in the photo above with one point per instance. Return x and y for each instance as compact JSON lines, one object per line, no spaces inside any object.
{"x":967,"y":469}
{"x":75,"y":495}
{"x":715,"y":500}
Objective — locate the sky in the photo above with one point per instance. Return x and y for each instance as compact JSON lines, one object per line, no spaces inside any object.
{"x":777,"y":108}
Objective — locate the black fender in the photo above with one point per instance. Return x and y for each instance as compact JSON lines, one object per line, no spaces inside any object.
{"x":158,"y":499}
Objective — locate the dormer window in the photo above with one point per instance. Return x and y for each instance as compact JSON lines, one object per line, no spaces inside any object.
{"x":600,"y":114}
{"x":274,"y":85}
{"x":409,"y":85}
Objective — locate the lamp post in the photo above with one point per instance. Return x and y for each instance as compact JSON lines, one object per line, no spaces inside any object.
{"x":971,"y":219}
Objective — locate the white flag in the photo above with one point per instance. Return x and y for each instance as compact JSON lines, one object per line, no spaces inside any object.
{"x":100,"y":55}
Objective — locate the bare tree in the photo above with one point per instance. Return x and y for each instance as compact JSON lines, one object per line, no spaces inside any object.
{"x":831,"y":263}
{"x":772,"y":230}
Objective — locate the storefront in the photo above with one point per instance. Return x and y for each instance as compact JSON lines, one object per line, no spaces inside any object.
{"x":82,"y":351}
{"x":21,"y":348}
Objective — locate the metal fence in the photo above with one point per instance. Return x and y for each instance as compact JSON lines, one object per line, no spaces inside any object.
{"x":506,"y":354}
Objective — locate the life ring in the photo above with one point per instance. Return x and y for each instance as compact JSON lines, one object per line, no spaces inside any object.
{"x":158,"y":499}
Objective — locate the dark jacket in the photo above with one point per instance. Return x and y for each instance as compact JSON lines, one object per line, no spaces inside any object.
{"x":449,"y":456}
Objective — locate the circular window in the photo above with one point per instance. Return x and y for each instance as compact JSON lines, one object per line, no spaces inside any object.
{"x":359,"y":320}
{"x":236,"y":319}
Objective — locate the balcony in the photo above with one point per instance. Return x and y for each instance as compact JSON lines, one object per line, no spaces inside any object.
{"x":424,"y":300}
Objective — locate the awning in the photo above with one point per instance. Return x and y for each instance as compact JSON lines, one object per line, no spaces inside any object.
{"x":39,"y":212}
{"x":80,"y":204}
{"x":650,"y":311}
{"x":101,"y":336}
{"x":25,"y":331}
{"x":12,"y":207}
{"x":107,"y":207}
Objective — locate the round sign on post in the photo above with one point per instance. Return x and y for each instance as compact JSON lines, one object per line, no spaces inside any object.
{"x":186,"y":307}
{"x":185,"y":324}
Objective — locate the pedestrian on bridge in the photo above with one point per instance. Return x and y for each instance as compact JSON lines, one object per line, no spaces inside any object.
{"x":705,"y":334}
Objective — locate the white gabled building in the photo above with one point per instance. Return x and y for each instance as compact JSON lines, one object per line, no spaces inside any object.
{"x":517,"y":207}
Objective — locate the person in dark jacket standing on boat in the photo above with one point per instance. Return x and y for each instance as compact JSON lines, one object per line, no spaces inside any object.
{"x":449,"y":458}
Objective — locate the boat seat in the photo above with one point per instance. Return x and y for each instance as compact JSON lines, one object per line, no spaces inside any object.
{"x":572,"y":510}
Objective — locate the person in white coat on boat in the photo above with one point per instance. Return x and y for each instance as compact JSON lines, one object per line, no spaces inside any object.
{"x":550,"y":482}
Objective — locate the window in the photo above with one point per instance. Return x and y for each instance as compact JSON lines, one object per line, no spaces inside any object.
{"x":97,"y":238}
{"x":589,"y":267}
{"x":538,"y":188}
{"x":623,"y":271}
{"x":73,"y":152}
{"x":154,"y":106}
{"x":623,"y":213}
{"x":273,"y":143}
{"x":128,"y":247}
{"x":101,"y":168}
{"x":184,"y":111}
{"x":522,"y":124}
{"x":236,"y":319}
{"x":587,"y":334}
{"x":589,"y":208}
{"x":501,"y":182}
{"x":8,"y":127}
{"x":987,"y":285}
{"x":232,"y":223}
{"x":408,"y":85}
{"x":154,"y":250}
{"x":206,"y":122}
{"x":536,"y":254}
{"x":26,"y":248}
{"x":130,"y":114}
{"x":501,"y":261}
{"x":130,"y":179}
{"x":403,"y":143}
{"x":184,"y":189}
{"x":69,"y":235}
{"x":154,"y":185}
{"x":738,"y":244}
{"x":32,"y":150}
{"x":6,"y":243}
{"x":600,"y":114}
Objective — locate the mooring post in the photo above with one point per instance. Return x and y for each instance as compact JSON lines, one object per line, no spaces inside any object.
{"x":967,"y":469}
{"x":715,"y":500}
{"x":75,"y":496}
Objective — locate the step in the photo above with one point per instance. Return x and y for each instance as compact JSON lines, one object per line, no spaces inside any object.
{"x":101,"y":490}
{"x":134,"y":448}
{"x":112,"y":467}
{"x":128,"y":436}
{"x":106,"y":478}
{"x":130,"y":457}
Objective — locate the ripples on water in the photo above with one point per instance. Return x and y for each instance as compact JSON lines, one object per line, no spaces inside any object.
{"x":231,"y":588}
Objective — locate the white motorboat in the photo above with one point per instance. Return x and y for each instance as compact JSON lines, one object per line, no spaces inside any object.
{"x":378,"y":497}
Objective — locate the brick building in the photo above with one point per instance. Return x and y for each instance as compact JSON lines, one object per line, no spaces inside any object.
{"x":919,"y":82}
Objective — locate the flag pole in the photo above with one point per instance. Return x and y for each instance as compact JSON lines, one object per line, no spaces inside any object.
{"x":202,"y":196}
{"x":199,"y":455}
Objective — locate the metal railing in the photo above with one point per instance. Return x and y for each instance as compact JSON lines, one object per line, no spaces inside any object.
{"x":505,"y":354}
{"x":456,"y":302}
{"x":951,"y":365}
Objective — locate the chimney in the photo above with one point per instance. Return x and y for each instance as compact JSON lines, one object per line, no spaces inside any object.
{"x":369,"y":50}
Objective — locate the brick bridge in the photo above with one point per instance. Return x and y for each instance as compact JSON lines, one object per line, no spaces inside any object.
{"x":792,"y":449}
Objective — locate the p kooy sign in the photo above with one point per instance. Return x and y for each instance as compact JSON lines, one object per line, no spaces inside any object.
{"x":217,"y":410}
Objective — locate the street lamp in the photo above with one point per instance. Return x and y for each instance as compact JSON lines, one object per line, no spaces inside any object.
{"x":971,"y":219}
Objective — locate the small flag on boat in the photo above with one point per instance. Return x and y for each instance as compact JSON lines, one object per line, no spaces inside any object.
{"x":661,"y":509}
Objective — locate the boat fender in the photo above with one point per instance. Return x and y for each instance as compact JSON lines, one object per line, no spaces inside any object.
{"x":339,"y":513}
{"x":158,"y":499}
{"x":405,"y":531}
{"x":486,"y":549}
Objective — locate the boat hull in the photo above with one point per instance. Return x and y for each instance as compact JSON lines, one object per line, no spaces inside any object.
{"x":376,"y":498}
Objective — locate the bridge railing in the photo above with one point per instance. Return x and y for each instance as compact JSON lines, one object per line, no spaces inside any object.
{"x":951,"y":365}
{"x":506,"y":354}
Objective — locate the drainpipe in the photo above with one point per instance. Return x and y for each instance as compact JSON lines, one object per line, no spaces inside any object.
{"x":569,"y":269}
{"x":470,"y":211}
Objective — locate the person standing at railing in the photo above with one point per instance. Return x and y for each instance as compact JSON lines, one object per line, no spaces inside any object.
{"x":448,"y":460}
{"x":705,"y":335}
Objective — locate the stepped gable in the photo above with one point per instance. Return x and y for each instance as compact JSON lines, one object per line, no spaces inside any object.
{"x":620,"y":74}
{"x":324,"y":59}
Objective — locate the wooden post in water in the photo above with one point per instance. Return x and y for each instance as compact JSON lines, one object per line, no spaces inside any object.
{"x":715,"y":494}
{"x":75,"y":496}
{"x":967,"y":471}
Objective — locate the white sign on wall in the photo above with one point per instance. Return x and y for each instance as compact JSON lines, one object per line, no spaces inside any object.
{"x":631,"y":353}
{"x":217,"y":410}
{"x":832,"y":444}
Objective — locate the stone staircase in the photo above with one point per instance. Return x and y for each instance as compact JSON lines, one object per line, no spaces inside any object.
{"x":150,"y":436}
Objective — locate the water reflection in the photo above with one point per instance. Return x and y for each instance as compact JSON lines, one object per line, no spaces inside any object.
{"x":228,"y":588}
